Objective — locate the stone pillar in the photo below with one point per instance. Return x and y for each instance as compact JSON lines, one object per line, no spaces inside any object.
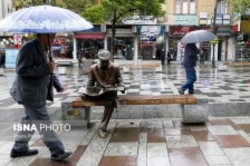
{"x":75,"y":117}
{"x":196,"y":113}
{"x":74,"y":48}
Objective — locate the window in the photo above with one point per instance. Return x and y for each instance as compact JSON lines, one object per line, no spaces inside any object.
{"x":222,"y":7}
{"x":178,"y":6}
{"x":192,"y":7}
{"x":185,"y":6}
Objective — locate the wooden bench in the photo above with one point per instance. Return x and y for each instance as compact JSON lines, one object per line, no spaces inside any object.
{"x":194,"y":107}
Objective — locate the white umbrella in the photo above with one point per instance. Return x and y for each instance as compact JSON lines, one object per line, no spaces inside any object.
{"x":198,"y":36}
{"x":44,"y":19}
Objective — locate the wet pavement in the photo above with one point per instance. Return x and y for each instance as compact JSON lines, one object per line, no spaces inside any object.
{"x":153,"y":138}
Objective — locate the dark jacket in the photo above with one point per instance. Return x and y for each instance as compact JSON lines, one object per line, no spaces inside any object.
{"x":163,"y":54}
{"x":34,"y":81}
{"x":190,"y":55}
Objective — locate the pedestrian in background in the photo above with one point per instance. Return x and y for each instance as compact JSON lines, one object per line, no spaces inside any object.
{"x":2,"y":59}
{"x":189,"y":63}
{"x":163,"y":57}
{"x":80,"y":55}
{"x":31,"y":88}
{"x":169,"y":57}
{"x":201,"y":54}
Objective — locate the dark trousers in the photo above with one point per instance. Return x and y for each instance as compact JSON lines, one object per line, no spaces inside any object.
{"x":162,"y":61}
{"x":191,"y":78}
{"x":201,"y":60}
{"x":39,"y":116}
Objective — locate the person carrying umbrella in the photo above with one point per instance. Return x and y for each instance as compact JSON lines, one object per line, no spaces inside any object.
{"x":31,"y":88}
{"x":35,"y":78}
{"x":190,"y":58}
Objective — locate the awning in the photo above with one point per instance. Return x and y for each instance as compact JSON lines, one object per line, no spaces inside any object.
{"x":89,"y":36}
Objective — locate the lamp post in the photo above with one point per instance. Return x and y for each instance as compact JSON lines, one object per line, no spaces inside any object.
{"x":214,"y":31}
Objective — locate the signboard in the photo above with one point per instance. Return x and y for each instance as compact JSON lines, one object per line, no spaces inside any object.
{"x":185,"y":20}
{"x":149,"y":33}
{"x":235,"y":18}
{"x":10,"y":58}
{"x":234,"y":29}
{"x":139,"y":20}
{"x":180,"y":31}
{"x":224,"y":31}
{"x":245,"y":26}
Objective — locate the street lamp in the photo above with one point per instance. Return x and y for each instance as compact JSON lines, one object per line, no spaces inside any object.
{"x":214,"y":31}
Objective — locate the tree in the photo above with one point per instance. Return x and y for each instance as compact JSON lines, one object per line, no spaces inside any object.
{"x":114,"y":10}
{"x":77,"y":5}
{"x":239,"y":6}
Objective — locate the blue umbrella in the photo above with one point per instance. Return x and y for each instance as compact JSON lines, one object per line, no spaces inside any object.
{"x":44,"y":19}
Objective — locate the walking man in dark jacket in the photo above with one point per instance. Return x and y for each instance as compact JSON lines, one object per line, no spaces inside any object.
{"x":32,"y":87}
{"x":189,"y":63}
{"x":163,"y":57}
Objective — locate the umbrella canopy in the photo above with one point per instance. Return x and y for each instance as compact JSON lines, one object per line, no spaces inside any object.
{"x":198,"y":36}
{"x":44,"y":19}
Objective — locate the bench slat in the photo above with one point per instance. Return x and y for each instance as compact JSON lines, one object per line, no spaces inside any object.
{"x":140,"y":100}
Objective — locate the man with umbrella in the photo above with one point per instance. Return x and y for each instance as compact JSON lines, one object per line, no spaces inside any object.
{"x":35,"y":79}
{"x":31,"y":88}
{"x":190,"y":58}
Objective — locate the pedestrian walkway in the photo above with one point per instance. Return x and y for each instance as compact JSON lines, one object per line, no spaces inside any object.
{"x":152,"y":138}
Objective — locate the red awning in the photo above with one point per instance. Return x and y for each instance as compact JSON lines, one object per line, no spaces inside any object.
{"x":89,"y":36}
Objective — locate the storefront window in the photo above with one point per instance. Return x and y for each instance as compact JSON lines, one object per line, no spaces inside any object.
{"x":89,"y":47}
{"x":6,"y":42}
{"x":124,"y":47}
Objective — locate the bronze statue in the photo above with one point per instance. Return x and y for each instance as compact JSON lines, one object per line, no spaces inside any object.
{"x":105,"y":75}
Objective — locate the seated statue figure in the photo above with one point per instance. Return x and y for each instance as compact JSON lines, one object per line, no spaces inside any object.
{"x":105,"y":75}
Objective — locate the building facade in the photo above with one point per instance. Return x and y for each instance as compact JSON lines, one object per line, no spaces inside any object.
{"x":184,"y":16}
{"x":6,"y":39}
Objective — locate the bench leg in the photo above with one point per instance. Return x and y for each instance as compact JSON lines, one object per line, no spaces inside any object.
{"x":87,"y":116}
{"x":75,"y":117}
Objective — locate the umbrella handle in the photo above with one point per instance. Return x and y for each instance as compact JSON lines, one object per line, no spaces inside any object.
{"x":49,"y":52}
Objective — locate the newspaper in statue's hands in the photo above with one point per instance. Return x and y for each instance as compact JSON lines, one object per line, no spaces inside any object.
{"x":97,"y":91}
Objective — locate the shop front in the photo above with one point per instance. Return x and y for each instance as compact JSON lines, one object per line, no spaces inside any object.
{"x":175,"y":35}
{"x":88,"y":42}
{"x":150,"y":41}
{"x":125,"y":39}
{"x":243,"y":42}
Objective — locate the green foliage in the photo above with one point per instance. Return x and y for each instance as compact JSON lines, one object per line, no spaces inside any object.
{"x":78,"y":5}
{"x":115,"y":10}
{"x":239,"y":6}
{"x":26,"y":3}
{"x":94,"y":14}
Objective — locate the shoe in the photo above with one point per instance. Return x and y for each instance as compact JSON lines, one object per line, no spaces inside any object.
{"x":102,"y":133}
{"x":61,"y":156}
{"x":30,"y":152}
{"x":180,"y":92}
